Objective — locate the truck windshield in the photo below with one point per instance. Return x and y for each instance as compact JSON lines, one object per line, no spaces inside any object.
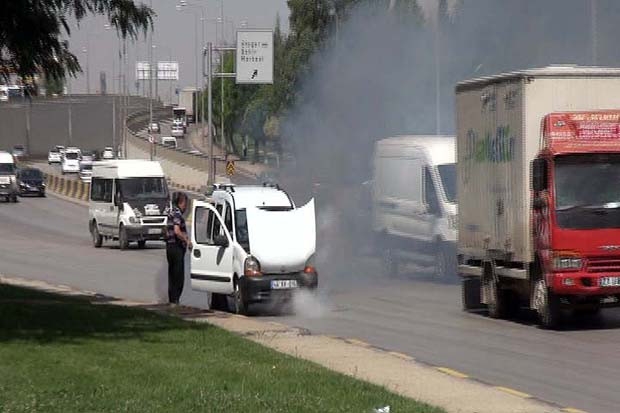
{"x":7,"y":169}
{"x":143,"y":188}
{"x":587,"y":191}
{"x":447,"y":173}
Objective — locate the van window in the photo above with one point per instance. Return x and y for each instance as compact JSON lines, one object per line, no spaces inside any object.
{"x":201,"y":225}
{"x":399,"y":178}
{"x":430,"y":194}
{"x":217,"y":230}
{"x":228,"y":221}
{"x":101,"y":190}
{"x":143,"y":188}
{"x":7,"y":169}
{"x":241,"y":229}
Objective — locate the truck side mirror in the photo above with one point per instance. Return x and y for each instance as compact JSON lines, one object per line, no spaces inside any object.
{"x":539,"y":175}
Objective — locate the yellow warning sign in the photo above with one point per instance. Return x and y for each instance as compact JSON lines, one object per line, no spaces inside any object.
{"x":230,"y":168}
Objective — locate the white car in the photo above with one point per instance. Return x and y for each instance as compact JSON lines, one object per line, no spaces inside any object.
{"x":169,"y":141}
{"x":154,"y":127}
{"x":252,"y":244}
{"x":71,"y":161}
{"x":54,"y":156}
{"x":86,"y":172}
{"x":108,"y":153}
{"x":177,"y":131}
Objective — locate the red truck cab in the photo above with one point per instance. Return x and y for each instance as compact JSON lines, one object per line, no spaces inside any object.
{"x":576,"y":213}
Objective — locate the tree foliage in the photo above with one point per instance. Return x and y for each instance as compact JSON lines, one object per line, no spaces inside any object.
{"x":32,"y":32}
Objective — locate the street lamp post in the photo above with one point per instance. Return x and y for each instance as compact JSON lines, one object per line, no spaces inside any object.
{"x":86,"y":51}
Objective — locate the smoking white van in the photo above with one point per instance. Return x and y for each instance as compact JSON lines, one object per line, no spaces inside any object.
{"x":128,"y":202}
{"x":252,"y":244}
{"x":8,"y":178}
{"x":414,"y":205}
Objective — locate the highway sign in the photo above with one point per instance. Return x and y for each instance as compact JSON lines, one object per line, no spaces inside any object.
{"x":143,"y":71}
{"x":254,"y":56}
{"x":167,"y":70}
{"x":230,"y":168}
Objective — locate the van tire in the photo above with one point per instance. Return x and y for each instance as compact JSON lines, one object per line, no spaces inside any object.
{"x":240,"y":304}
{"x":123,"y":242}
{"x":96,"y":236}
{"x":470,"y":293}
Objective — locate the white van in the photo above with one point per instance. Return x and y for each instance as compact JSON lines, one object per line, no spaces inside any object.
{"x":128,"y":202}
{"x":169,"y":141}
{"x":71,"y":161}
{"x":414,"y":205}
{"x":8,"y":178}
{"x":252,"y":244}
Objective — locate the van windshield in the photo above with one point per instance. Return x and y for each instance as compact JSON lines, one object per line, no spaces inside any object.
{"x":447,"y":173}
{"x":71,"y":155}
{"x":241,"y":229}
{"x":7,"y":169}
{"x":143,"y":188}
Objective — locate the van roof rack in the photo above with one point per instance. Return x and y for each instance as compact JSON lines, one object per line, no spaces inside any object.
{"x":224,"y":186}
{"x":271,"y":185}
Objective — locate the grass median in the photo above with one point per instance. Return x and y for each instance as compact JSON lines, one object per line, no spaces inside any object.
{"x":66,"y":354}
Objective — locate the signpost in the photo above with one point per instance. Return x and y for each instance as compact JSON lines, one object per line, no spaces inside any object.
{"x":230,"y":168}
{"x":254,"y":65}
{"x":254,"y":57}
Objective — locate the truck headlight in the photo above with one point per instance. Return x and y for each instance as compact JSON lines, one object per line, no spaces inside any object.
{"x":563,"y":261}
{"x":251,"y":267}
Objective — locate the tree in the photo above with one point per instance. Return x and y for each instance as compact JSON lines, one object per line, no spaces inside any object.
{"x":32,"y":31}
{"x":54,"y":86}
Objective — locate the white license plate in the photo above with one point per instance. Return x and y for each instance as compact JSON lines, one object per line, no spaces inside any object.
{"x":283,"y":284}
{"x":153,"y":231}
{"x":610,"y":282}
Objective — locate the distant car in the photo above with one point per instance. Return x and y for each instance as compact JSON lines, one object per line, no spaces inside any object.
{"x":54,"y":156}
{"x":108,"y":153}
{"x":71,"y":161}
{"x":31,"y":181}
{"x":60,"y":149}
{"x":169,"y":141}
{"x":86,"y":172}
{"x":88,"y":157}
{"x":19,"y":151}
{"x":177,"y":131}
{"x":154,"y":127}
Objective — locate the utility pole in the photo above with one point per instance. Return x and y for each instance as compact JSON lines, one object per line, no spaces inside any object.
{"x":594,"y":28}
{"x":211,"y":178}
{"x":437,"y":81}
{"x":222,"y":55}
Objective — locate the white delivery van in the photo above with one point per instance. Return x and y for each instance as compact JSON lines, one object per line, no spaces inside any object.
{"x":8,"y":178}
{"x":252,"y":244}
{"x":169,"y":141}
{"x":71,"y":161}
{"x":128,"y":202}
{"x":414,"y":206}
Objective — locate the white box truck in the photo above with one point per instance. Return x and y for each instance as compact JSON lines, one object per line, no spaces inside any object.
{"x":538,"y":166}
{"x":187,"y":100}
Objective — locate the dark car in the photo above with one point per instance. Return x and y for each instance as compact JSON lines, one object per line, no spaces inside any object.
{"x":31,"y":181}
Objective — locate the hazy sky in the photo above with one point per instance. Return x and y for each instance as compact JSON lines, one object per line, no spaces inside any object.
{"x":174,"y":38}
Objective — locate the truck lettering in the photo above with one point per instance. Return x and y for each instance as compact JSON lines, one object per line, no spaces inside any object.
{"x":496,"y":148}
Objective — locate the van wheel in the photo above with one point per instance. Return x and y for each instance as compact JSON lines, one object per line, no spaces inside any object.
{"x":547,"y":305}
{"x":123,"y":242}
{"x":142,"y":244}
{"x":240,"y":305}
{"x":470,"y":293}
{"x":96,"y":236}
{"x":15,"y":199}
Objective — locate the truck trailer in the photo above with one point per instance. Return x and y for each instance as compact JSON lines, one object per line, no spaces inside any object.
{"x":538,"y":180}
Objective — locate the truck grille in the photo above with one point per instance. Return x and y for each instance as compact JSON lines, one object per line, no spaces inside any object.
{"x":604,"y":264}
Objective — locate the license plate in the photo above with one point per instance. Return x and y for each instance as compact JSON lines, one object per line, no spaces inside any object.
{"x":153,"y":231}
{"x":610,"y":282}
{"x":283,"y":284}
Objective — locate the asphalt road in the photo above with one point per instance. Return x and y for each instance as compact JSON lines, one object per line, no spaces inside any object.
{"x":47,"y":239}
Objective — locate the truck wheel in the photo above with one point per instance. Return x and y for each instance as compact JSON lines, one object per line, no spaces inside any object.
{"x":470,"y":289}
{"x":547,"y":305}
{"x":240,"y":305}
{"x":96,"y":236}
{"x":123,"y":242}
{"x":142,"y":244}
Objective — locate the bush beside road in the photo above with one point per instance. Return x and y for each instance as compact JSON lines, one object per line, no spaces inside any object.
{"x":62,"y":354}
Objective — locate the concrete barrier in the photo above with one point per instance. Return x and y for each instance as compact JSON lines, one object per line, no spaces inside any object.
{"x":67,"y":187}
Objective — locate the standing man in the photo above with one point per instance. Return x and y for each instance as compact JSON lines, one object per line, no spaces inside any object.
{"x":177,"y":242}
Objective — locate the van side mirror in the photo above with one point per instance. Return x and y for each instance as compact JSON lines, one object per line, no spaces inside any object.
{"x":220,"y":241}
{"x":539,"y":175}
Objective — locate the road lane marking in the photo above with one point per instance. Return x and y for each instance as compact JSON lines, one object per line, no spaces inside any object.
{"x":401,"y":355}
{"x":452,"y":372}
{"x":513,"y":392}
{"x":572,"y":410}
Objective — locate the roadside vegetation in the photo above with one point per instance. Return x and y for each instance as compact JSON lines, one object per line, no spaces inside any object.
{"x":63,"y":354}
